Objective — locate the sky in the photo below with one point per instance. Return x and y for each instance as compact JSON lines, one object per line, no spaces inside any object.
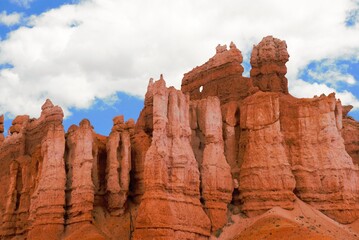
{"x":94,"y":57}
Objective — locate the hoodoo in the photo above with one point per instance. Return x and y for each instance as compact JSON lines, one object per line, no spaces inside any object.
{"x":223,"y":152}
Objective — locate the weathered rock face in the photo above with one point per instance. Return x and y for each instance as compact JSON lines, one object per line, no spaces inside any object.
{"x":223,"y":139}
{"x":220,"y":76}
{"x":325,"y":174}
{"x":33,"y":171}
{"x":207,"y":142}
{"x":265,"y":177}
{"x":48,"y":199}
{"x":141,"y":142}
{"x":80,"y":161}
{"x":350,"y":133}
{"x":268,"y":65}
{"x":118,"y":165}
{"x":170,"y":207}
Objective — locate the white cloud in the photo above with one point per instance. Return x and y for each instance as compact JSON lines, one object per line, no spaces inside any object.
{"x":303,"y":89}
{"x":331,"y":73}
{"x":10,"y":19}
{"x":79,"y":53}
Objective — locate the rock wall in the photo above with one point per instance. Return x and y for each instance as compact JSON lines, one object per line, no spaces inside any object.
{"x":215,"y":76}
{"x":80,"y":162}
{"x":265,"y":176}
{"x":34,"y":176}
{"x":216,"y":178}
{"x":222,"y":142}
{"x":171,"y":207}
{"x":325,"y":174}
{"x":350,"y":133}
{"x":118,"y":165}
{"x":56,"y":183}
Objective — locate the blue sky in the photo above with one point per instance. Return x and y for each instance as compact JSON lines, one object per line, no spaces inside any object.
{"x":94,"y":57}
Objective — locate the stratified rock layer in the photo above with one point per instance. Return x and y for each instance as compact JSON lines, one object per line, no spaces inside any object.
{"x":220,"y":76}
{"x":118,"y":165}
{"x":216,"y":178}
{"x":268,"y":65}
{"x":265,"y":177}
{"x":34,"y":176}
{"x":170,"y":207}
{"x":80,"y":161}
{"x":325,"y":174}
{"x":350,"y":133}
{"x":223,"y":140}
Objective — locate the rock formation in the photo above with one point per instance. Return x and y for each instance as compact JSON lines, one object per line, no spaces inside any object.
{"x":80,"y":160}
{"x":221,"y":145}
{"x":268,"y":65}
{"x":350,"y":133}
{"x":170,"y":207}
{"x":325,"y":174}
{"x":208,"y":145}
{"x":118,"y":165}
{"x":34,"y":175}
{"x":220,"y":76}
{"x":265,"y":176}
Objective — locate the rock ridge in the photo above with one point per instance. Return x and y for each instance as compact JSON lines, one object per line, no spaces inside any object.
{"x":224,"y":144}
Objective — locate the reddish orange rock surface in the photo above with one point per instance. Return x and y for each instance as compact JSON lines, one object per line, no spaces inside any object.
{"x":220,"y":76}
{"x":265,"y":176}
{"x":350,"y":133}
{"x":118,"y":165}
{"x":79,"y":159}
{"x":325,"y":174}
{"x":170,"y":207}
{"x":194,"y":164}
{"x":268,"y":65}
{"x":216,"y":178}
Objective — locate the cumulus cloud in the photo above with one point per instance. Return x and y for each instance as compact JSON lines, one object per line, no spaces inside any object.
{"x":82,"y":52}
{"x":10,"y":19}
{"x":332,"y":73}
{"x":303,"y":89}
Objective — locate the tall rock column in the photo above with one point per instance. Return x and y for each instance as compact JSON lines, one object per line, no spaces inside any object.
{"x":170,"y":207}
{"x":15,"y":207}
{"x":48,"y":199}
{"x":265,"y":178}
{"x":326,"y":177}
{"x":118,"y":165}
{"x":8,"y":225}
{"x":141,"y":142}
{"x":268,"y":65}
{"x":80,"y":160}
{"x":216,"y":178}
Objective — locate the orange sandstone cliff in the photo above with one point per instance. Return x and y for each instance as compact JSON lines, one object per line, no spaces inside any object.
{"x":222,"y":148}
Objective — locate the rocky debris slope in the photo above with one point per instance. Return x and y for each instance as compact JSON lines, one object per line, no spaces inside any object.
{"x":224,"y":144}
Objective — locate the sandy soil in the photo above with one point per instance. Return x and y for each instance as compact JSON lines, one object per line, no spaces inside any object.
{"x":304,"y":222}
